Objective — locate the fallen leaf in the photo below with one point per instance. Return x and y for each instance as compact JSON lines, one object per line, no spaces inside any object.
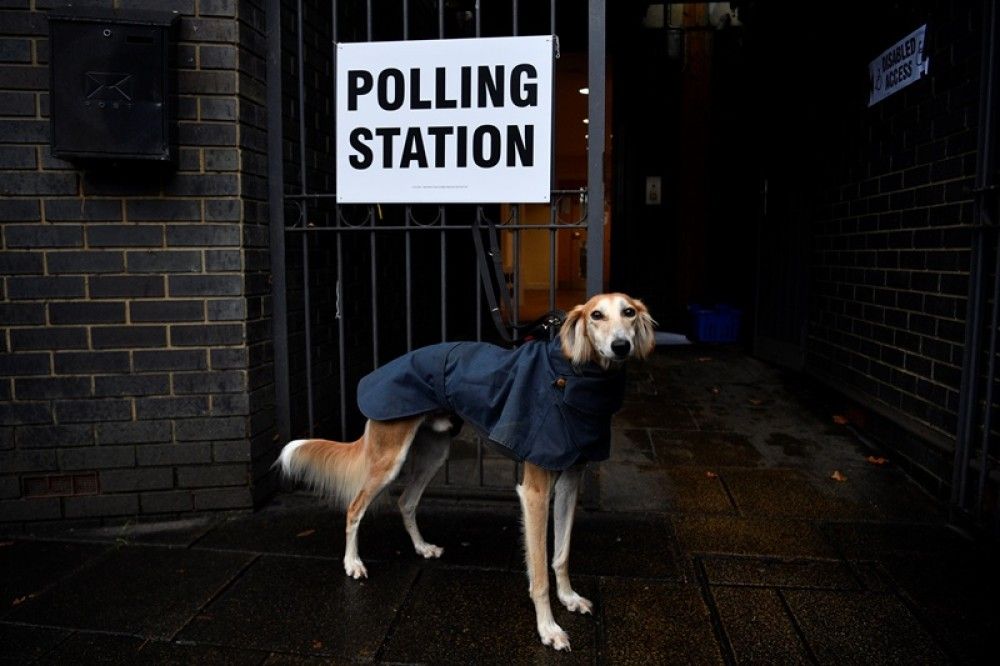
{"x":837,"y":476}
{"x":317,"y":645}
{"x":18,"y":601}
{"x":756,"y":402}
{"x":711,"y":475}
{"x":839,"y":420}
{"x":877,"y":460}
{"x":305,"y":533}
{"x":704,"y":359}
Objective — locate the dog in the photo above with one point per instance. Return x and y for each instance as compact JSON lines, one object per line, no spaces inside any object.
{"x":546,"y":403}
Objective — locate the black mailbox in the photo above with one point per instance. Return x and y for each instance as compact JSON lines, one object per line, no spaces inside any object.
{"x":110,"y":89}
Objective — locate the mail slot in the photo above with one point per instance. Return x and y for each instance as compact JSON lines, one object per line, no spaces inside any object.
{"x":109,"y":84}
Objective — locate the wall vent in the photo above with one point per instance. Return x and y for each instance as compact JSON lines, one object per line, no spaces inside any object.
{"x":62,"y":485}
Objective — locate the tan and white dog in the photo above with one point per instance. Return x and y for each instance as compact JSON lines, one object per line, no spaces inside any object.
{"x":600,"y":334}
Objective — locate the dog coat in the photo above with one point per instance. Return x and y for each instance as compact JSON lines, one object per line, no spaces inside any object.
{"x":530,"y":401}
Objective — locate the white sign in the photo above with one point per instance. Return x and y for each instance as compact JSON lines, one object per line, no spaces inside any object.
{"x":445,"y":121}
{"x":900,"y":65}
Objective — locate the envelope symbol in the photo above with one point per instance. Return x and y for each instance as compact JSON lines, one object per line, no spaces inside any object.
{"x":108,"y":86}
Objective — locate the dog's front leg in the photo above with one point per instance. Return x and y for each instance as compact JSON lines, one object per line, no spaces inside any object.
{"x":534,"y":493}
{"x":564,"y":508}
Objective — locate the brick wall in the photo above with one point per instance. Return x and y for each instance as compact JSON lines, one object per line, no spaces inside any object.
{"x":135,"y":374}
{"x":891,"y":259}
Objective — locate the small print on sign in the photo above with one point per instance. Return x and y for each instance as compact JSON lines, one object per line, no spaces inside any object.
{"x":900,"y":65}
{"x":445,"y":121}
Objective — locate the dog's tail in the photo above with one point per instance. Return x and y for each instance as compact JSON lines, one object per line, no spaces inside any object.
{"x":334,"y":470}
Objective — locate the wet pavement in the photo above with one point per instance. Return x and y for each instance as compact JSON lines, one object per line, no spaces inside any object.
{"x":716,"y":535}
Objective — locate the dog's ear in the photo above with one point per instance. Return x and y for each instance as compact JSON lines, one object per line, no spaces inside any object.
{"x":573,"y":335}
{"x":645,"y":340}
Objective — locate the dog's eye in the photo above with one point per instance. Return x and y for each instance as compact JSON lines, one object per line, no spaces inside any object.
{"x":597,"y":315}
{"x":629,"y":312}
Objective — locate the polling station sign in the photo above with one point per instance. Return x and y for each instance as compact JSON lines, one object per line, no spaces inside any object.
{"x":903,"y":63}
{"x":444,"y":121}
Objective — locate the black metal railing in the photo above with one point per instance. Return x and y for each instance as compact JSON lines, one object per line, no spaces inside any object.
{"x":389,"y":258}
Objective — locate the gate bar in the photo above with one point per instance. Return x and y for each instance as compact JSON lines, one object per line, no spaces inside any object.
{"x":276,"y":221}
{"x":595,"y":146}
{"x":341,"y":326}
{"x":300,"y":56}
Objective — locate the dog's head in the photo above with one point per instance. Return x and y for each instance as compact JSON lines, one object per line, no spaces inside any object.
{"x":607,"y":329}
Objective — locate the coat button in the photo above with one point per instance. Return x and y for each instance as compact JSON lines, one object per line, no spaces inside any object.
{"x":561,"y":383}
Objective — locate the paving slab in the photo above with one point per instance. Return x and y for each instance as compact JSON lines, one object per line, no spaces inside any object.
{"x":649,"y":622}
{"x":697,"y":491}
{"x":633,"y":487}
{"x":305,"y":606}
{"x":140,"y":590}
{"x":473,"y":536}
{"x":478,"y":537}
{"x":484,"y":617}
{"x":704,"y":449}
{"x":728,"y":411}
{"x":625,"y":545}
{"x":757,"y":626}
{"x":631,"y":445}
{"x":277,"y":659}
{"x":764,"y":572}
{"x":778,"y":537}
{"x":22,"y":644}
{"x":642,"y":487}
{"x":30,"y":566}
{"x":88,"y":648}
{"x":887,"y":494}
{"x":654,"y":412}
{"x":862,"y":628}
{"x":180,"y":533}
{"x":861,"y":541}
{"x":791,"y":446}
{"x":791,"y":493}
{"x":955,"y":591}
{"x":315,"y":530}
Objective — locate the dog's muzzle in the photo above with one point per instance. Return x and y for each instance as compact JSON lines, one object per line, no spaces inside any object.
{"x":621,"y":348}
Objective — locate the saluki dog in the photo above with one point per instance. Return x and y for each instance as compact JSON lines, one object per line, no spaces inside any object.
{"x":548,"y":404}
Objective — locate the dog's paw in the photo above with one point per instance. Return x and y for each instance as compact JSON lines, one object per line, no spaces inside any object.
{"x":355,"y":568}
{"x":553,"y":636}
{"x":429,"y":550}
{"x":576,"y":604}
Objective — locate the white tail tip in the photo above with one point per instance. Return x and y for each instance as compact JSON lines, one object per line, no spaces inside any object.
{"x":287,"y":453}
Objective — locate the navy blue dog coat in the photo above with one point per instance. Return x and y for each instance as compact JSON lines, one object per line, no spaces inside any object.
{"x":531,"y":401}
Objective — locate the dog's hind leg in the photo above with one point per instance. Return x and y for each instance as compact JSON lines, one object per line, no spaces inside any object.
{"x":429,"y":451}
{"x":564,"y":508}
{"x":387,"y":445}
{"x":534,"y":492}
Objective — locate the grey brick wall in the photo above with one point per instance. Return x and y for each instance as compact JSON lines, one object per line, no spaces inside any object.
{"x":891,"y":259}
{"x":134,"y":310}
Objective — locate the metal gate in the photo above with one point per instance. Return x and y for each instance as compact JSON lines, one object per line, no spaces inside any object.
{"x":355,"y":286}
{"x":975,"y":490}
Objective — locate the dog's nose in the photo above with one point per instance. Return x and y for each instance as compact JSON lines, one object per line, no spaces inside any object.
{"x":621,"y":348}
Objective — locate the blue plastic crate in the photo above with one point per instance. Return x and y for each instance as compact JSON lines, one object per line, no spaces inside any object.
{"x":717,"y":324}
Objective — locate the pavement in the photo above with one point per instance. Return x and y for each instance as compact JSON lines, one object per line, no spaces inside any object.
{"x":715,"y":534}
